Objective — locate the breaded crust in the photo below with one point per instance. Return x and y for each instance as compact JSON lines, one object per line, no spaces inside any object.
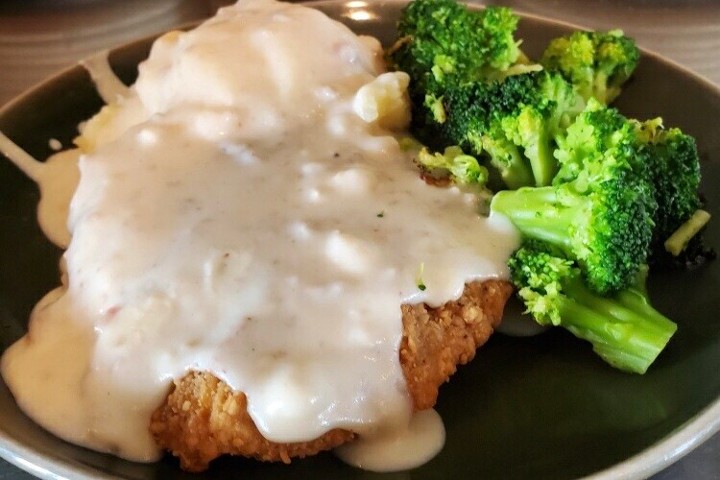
{"x":203,"y":418}
{"x":436,"y":340}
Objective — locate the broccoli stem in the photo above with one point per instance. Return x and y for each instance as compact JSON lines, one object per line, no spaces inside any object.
{"x":508,"y":160}
{"x":625,"y":330}
{"x":529,"y":131}
{"x":677,"y":242}
{"x":534,"y":211}
{"x":539,"y":151}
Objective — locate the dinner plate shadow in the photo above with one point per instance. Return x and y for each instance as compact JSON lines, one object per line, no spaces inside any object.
{"x":533,"y":408}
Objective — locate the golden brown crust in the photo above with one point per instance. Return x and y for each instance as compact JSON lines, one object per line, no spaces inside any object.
{"x":436,"y":340}
{"x":203,"y":418}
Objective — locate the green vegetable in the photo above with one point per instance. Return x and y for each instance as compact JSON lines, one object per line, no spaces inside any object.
{"x":461,"y":168}
{"x":677,"y":242}
{"x":624,"y":329}
{"x":599,"y":210}
{"x":472,"y":87}
{"x":596,"y":196}
{"x":675,"y":170}
{"x":597,"y":63}
{"x":515,"y":122}
{"x":444,"y":42}
{"x":668,"y":156}
{"x":597,"y":133}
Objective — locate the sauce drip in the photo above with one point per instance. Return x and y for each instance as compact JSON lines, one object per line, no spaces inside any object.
{"x":108,"y":85}
{"x":394,"y":449}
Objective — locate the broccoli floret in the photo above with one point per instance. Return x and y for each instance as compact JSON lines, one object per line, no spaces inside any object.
{"x":598,"y":63}
{"x":668,"y":156}
{"x":624,"y":329}
{"x":444,"y":42}
{"x":600,"y":209}
{"x":674,"y":165}
{"x":459,"y":167}
{"x":675,"y":169}
{"x":597,"y":132}
{"x":471,"y":86}
{"x":515,"y":122}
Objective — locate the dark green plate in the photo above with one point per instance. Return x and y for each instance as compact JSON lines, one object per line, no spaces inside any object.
{"x":532,"y":408}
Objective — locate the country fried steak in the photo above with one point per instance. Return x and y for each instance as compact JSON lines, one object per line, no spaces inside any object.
{"x":203,"y":418}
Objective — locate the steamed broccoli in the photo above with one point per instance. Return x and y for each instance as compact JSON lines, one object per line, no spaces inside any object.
{"x":442,"y":42}
{"x":624,"y":329}
{"x":515,"y":122}
{"x":597,"y":63}
{"x":685,"y":233}
{"x":675,"y":169}
{"x":459,"y":167}
{"x":668,"y":156}
{"x":599,"y":210}
{"x":471,"y":87}
{"x":594,"y":134}
{"x":592,"y":192}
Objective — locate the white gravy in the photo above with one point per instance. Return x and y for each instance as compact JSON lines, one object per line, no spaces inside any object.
{"x":108,"y":85}
{"x":390,"y":450}
{"x":236,"y":215}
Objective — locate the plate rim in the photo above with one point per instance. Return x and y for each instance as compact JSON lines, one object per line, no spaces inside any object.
{"x":649,"y":461}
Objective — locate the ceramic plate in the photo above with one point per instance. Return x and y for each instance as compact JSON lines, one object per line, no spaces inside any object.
{"x":532,"y":408}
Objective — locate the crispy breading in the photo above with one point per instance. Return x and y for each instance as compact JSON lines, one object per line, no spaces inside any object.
{"x":203,"y":418}
{"x":436,"y":340}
